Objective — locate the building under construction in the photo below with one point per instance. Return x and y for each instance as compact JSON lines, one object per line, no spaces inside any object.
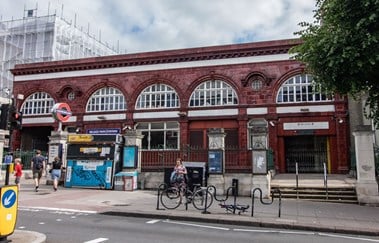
{"x":41,"y":39}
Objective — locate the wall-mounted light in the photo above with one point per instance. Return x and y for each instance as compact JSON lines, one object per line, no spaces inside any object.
{"x":340,"y":120}
{"x":272,"y":123}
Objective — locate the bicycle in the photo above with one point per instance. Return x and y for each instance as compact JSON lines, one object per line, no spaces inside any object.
{"x":172,"y":197}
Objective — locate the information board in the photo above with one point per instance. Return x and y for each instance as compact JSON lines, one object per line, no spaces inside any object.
{"x":215,"y":161}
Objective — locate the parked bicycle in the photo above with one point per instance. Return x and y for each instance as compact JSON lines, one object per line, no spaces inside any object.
{"x":179,"y":193}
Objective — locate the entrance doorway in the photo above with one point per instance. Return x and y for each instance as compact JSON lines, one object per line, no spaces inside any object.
{"x":309,"y":152}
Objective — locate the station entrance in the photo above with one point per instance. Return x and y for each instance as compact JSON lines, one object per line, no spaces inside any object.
{"x":309,"y":152}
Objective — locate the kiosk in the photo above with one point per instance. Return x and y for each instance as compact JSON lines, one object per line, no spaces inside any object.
{"x":92,"y":160}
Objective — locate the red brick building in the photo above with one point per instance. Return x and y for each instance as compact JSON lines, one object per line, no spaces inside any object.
{"x":261,"y":97}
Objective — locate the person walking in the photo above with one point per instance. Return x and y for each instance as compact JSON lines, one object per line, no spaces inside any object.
{"x":56,"y":172}
{"x":17,"y":172}
{"x":38,"y":168}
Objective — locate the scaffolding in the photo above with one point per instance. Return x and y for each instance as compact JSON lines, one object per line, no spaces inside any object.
{"x":42,"y":39}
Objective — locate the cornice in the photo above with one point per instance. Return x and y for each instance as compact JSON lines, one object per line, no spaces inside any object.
{"x":160,"y":57}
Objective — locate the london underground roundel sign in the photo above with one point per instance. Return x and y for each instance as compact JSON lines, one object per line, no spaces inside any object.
{"x":61,"y":112}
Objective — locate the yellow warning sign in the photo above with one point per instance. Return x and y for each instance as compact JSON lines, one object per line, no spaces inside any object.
{"x":80,"y":138}
{"x":8,"y":209}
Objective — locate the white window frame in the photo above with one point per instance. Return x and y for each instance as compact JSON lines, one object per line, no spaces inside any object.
{"x":106,"y":99}
{"x":213,"y":93}
{"x":167,"y":128}
{"x":157,"y":96}
{"x":302,"y":89}
{"x":39,"y":103}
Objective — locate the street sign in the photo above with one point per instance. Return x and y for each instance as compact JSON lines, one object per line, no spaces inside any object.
{"x":8,"y":159}
{"x":8,"y":209}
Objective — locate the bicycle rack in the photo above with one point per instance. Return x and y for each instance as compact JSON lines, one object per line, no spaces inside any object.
{"x":219,"y":200}
{"x":161,"y":188}
{"x":266,"y":203}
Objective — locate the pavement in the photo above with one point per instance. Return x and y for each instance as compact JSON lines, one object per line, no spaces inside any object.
{"x":294,"y":214}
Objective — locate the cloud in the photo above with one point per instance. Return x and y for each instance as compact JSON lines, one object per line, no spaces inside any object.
{"x":149,"y":25}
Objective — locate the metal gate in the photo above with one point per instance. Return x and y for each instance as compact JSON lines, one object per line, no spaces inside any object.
{"x":309,"y":152}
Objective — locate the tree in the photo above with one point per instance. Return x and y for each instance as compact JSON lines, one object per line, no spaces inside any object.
{"x":341,"y":49}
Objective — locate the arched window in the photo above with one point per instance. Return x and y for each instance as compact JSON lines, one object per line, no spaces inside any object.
{"x":213,"y":93}
{"x":39,"y":103}
{"x":106,"y":99}
{"x":301,"y":88}
{"x":157,"y":96}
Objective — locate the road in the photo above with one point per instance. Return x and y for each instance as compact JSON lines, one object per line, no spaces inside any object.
{"x":80,"y":226}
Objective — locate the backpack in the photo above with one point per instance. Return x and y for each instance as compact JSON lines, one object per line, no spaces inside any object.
{"x":38,"y":161}
{"x":173,"y":177}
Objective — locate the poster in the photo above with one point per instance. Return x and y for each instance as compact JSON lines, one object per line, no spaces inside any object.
{"x":130,"y":157}
{"x":215,"y":161}
{"x":259,"y":162}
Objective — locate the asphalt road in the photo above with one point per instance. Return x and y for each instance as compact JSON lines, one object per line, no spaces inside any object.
{"x":78,"y":227}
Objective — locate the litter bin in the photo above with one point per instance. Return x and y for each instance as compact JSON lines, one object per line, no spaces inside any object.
{"x":235,"y":187}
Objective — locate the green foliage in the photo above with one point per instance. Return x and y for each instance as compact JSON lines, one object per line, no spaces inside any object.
{"x":341,"y":49}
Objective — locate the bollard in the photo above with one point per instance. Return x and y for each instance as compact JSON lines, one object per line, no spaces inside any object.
{"x":235,"y":187}
{"x":159,"y":193}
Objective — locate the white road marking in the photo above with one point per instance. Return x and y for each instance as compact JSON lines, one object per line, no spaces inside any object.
{"x":196,"y":225}
{"x":41,"y":223}
{"x":57,"y":209}
{"x":296,"y":232}
{"x":152,"y":221}
{"x":348,"y":237}
{"x":307,"y":233}
{"x":256,"y":231}
{"x":96,"y":240}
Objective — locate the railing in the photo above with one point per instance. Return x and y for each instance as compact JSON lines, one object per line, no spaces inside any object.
{"x":236,"y":159}
{"x":308,"y":161}
{"x":326,"y":181}
{"x":26,"y":158}
{"x":325,"y":178}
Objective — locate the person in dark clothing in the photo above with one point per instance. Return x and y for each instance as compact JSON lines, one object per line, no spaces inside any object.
{"x":56,"y":172}
{"x":38,"y":167}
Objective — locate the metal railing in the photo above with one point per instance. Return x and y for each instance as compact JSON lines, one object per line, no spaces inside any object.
{"x":325,"y":179}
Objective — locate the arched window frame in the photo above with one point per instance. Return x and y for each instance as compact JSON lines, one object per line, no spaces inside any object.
{"x":39,"y":103}
{"x":157,"y":96}
{"x":213,"y":93}
{"x":106,"y":100}
{"x":300,"y":89}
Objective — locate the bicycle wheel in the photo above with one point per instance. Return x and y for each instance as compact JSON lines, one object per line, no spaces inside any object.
{"x":199,"y":198}
{"x":171,"y":198}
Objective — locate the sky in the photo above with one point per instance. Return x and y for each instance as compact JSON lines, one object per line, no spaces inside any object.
{"x":152,"y":25}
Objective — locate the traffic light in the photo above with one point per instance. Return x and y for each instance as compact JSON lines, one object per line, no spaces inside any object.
{"x":15,"y":119}
{"x":4,"y":116}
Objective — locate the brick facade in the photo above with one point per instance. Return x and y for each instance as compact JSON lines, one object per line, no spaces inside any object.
{"x":184,"y":70}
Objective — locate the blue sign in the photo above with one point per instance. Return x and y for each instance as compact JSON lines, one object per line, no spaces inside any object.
{"x":8,"y":159}
{"x":9,"y":198}
{"x":104,"y":131}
